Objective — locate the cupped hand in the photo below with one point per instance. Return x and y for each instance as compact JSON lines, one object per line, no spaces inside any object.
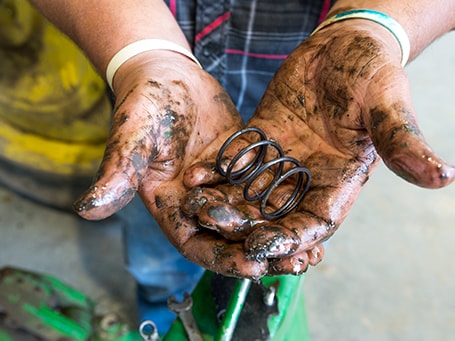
{"x":168,"y":115}
{"x":339,"y":103}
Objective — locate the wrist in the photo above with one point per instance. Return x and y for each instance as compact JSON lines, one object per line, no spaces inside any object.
{"x":159,"y":65}
{"x":379,"y":20}
{"x":422,"y":20}
{"x":141,"y":47}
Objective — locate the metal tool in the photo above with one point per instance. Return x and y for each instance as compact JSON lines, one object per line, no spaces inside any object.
{"x":184,"y":311}
{"x":256,"y":167}
{"x":149,"y":331}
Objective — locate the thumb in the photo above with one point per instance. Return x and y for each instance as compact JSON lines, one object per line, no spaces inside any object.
{"x":110,"y":192}
{"x":391,"y":122}
{"x":124,"y":164}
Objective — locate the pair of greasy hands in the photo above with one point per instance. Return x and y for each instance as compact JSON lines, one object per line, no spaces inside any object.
{"x":339,"y":103}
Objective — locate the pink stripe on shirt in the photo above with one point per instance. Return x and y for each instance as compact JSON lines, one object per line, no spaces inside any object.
{"x":209,"y":28}
{"x":173,"y":7}
{"x":324,"y":11}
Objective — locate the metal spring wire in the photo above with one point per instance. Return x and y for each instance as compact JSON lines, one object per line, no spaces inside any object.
{"x":250,"y":172}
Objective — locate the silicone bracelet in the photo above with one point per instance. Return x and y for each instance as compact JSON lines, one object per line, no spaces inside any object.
{"x":380,"y":18}
{"x":138,"y":47}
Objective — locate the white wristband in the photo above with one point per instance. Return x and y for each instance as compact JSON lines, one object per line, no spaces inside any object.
{"x":141,"y":46}
{"x":380,"y":18}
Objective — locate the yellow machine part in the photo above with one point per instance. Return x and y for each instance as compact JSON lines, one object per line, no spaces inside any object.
{"x":17,"y":22}
{"x":54,"y":110}
{"x":47,"y":155}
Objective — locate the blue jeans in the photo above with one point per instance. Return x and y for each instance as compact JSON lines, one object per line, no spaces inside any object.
{"x":159,"y":269}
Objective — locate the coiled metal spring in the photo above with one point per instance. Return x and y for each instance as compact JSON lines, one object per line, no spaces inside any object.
{"x":256,"y":167}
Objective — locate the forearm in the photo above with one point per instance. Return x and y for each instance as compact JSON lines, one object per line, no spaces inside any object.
{"x":101,"y":28}
{"x":423,"y":20}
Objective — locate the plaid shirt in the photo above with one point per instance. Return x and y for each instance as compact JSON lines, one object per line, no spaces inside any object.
{"x":242,"y":43}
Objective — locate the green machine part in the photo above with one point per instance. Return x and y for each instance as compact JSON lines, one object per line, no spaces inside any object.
{"x":288,"y":325}
{"x":42,"y":307}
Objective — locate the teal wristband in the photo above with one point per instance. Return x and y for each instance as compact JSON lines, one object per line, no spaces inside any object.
{"x":380,"y":18}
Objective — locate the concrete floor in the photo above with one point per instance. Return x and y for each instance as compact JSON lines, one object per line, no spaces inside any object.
{"x":386,"y":274}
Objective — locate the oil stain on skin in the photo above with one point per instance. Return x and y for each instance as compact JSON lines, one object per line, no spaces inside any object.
{"x":168,"y":121}
{"x":384,"y":133}
{"x":178,"y":126}
{"x":334,"y":92}
{"x":224,"y":98}
{"x":378,"y":117}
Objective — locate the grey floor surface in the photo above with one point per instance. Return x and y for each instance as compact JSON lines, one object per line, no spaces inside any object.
{"x":387,"y":274}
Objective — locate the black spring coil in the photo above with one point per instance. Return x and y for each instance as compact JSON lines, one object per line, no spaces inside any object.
{"x":251,"y":171}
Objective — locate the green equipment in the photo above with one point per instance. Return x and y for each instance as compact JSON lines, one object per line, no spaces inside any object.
{"x":39,"y":307}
